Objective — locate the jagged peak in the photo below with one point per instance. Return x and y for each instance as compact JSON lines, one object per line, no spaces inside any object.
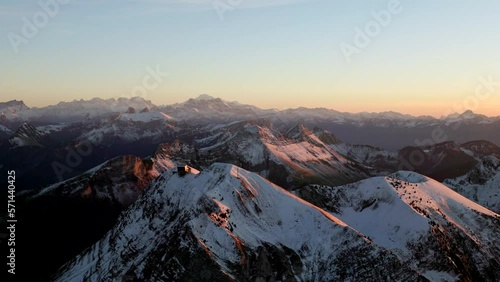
{"x":27,"y":129}
{"x":298,"y":131}
{"x":26,"y":135}
{"x":110,"y":101}
{"x":204,"y":100}
{"x":468,"y":114}
{"x":14,"y":103}
{"x":326,"y":136}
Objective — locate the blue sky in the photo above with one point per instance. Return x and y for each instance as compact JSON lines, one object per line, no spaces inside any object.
{"x":274,"y":54}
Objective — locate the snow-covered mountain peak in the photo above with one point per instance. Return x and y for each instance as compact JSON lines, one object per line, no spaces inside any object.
{"x":206,"y":109}
{"x":229,"y":224}
{"x":419,"y":221}
{"x":119,"y":104}
{"x":208,"y":102}
{"x":204,"y":97}
{"x":77,"y":110}
{"x":13,"y":105}
{"x":409,"y":176}
{"x":12,"y":110}
{"x":468,"y":115}
{"x":443,"y":197}
{"x":387,"y":115}
{"x":285,"y":158}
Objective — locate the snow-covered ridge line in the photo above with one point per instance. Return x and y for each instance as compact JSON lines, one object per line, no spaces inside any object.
{"x":234,"y":222}
{"x":419,"y":219}
{"x":205,"y":104}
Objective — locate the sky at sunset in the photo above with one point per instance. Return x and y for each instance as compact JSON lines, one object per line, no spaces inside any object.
{"x":429,"y":58}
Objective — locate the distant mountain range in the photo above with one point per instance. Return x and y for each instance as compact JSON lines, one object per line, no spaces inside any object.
{"x":33,"y":140}
{"x":293,"y":195}
{"x":212,"y":108}
{"x":388,"y":130}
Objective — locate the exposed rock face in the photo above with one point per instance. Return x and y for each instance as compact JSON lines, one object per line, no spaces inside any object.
{"x":120,"y":180}
{"x":75,"y":213}
{"x":27,"y":135}
{"x":481,"y":184}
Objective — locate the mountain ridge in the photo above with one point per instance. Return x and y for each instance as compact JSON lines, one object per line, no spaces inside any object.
{"x":406,"y":211}
{"x":237,"y":224}
{"x":389,"y":130}
{"x":116,"y":102}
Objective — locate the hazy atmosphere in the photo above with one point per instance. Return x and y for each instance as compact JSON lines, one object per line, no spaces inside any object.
{"x":416,"y":57}
{"x":250,"y":140}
